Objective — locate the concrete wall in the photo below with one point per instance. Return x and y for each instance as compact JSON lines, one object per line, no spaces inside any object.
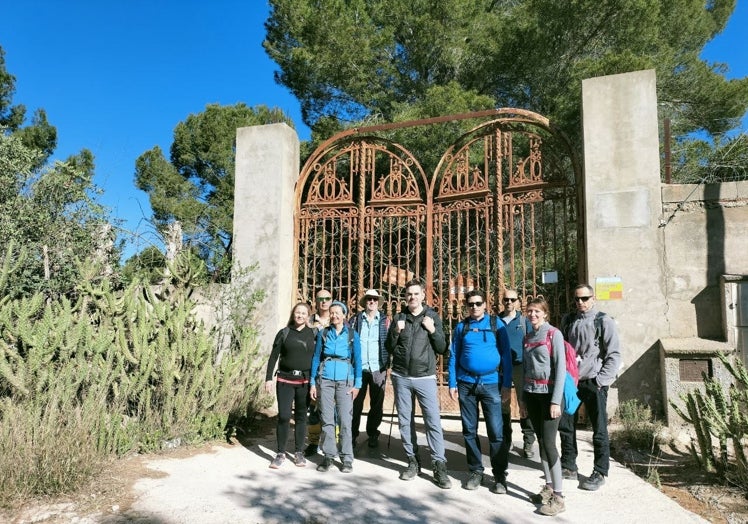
{"x":669,"y":244}
{"x":705,"y":238}
{"x":267,"y":167}
{"x":623,"y":211}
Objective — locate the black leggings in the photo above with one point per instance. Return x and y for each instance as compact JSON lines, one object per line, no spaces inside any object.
{"x":291,"y":396}
{"x":546,"y":428}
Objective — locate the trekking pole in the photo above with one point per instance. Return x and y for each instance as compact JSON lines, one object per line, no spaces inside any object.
{"x":392,"y":419}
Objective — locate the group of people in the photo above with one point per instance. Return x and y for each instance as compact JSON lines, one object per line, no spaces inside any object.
{"x":337,"y":363}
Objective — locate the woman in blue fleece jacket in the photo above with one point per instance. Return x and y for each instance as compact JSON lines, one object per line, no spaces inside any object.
{"x":336,"y":371}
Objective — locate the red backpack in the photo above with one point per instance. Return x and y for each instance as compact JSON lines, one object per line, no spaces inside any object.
{"x":572,"y":368}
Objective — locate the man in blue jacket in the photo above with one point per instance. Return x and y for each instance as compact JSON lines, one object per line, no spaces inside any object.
{"x":517,"y":326}
{"x":480,"y":346}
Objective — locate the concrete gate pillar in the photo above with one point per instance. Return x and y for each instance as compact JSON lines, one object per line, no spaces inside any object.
{"x":267,"y":166}
{"x":623,"y":211}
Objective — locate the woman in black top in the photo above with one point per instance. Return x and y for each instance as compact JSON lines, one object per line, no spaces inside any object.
{"x":294,"y":344}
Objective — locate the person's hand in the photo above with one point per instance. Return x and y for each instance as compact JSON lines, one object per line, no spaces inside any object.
{"x":453,"y":393}
{"x":555,"y":411}
{"x":522,"y":410}
{"x":354,"y":393}
{"x":268,"y":386}
{"x":400,"y":325}
{"x":428,"y":324}
{"x":313,"y":392}
{"x":506,"y":395}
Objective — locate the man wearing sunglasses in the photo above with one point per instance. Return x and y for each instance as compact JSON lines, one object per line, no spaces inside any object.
{"x":595,"y":336}
{"x":480,"y":346}
{"x":371,"y":326}
{"x":320,"y":319}
{"x":517,"y":326}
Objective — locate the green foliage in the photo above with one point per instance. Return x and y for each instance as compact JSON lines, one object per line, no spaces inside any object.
{"x":354,"y":60}
{"x":109,"y":373}
{"x":722,"y":160}
{"x":196,"y":185}
{"x":50,"y":210}
{"x":637,"y":425}
{"x":720,"y":414}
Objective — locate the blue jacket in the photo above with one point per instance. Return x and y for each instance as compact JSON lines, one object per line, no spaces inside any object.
{"x":517,"y":328}
{"x":478,"y":354}
{"x":333,"y":358}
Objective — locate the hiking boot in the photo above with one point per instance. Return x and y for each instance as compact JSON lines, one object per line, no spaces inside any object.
{"x":413,"y":469}
{"x":554,"y":506}
{"x":527,"y":451}
{"x":474,"y":480}
{"x":440,"y":474}
{"x":569,"y":474}
{"x":324,"y":466}
{"x":347,"y":467}
{"x":544,"y":497}
{"x":311,"y":450}
{"x":499,"y":488}
{"x":594,"y":481}
{"x":373,"y":441}
{"x":278,"y":461}
{"x":299,"y":459}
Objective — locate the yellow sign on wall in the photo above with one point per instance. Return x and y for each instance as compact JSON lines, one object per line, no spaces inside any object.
{"x":609,"y":288}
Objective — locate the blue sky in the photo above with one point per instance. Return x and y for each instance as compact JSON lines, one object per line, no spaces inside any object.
{"x":117,"y":76}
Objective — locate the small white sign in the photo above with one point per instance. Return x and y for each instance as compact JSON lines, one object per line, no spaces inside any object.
{"x":549,"y":277}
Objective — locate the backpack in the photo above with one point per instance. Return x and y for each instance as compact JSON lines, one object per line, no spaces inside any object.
{"x":598,"y":321}
{"x":571,"y":400}
{"x":326,"y":330}
{"x":492,"y":320}
{"x":286,"y":330}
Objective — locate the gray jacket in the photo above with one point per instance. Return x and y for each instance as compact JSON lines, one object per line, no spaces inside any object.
{"x":598,"y":364}
{"x":543,"y":373}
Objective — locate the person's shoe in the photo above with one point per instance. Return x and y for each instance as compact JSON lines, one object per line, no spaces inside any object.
{"x":569,"y":474}
{"x":373,"y":441}
{"x":347,"y":467}
{"x":413,"y":469}
{"x":554,"y":506}
{"x":474,"y":480}
{"x":440,"y":474}
{"x":278,"y":461}
{"x":499,"y":488}
{"x":544,"y":497}
{"x":299,"y":460}
{"x":594,"y":481}
{"x":527,"y":451}
{"x":311,"y":450}
{"x":324,"y":466}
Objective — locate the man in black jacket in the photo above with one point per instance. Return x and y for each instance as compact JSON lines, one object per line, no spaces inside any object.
{"x":414,"y":340}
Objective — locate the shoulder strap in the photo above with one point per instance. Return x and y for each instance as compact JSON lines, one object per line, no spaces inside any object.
{"x":523,"y":323}
{"x":284,"y":333}
{"x":464,"y":326}
{"x":492,"y":322}
{"x":599,"y":331}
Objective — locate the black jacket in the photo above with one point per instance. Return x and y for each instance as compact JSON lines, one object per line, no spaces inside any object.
{"x":414,"y":349}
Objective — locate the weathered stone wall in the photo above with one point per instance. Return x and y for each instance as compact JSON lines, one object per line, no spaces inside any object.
{"x":705,"y":233}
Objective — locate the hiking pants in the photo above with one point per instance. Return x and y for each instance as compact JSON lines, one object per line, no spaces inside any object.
{"x":335,"y":394}
{"x":539,"y":410}
{"x":595,"y":405}
{"x":291,"y":396}
{"x":374,"y":382}
{"x":487,"y":397}
{"x":425,"y":391}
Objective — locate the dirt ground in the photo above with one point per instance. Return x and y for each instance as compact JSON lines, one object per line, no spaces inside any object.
{"x":111,"y":493}
{"x":681,"y":479}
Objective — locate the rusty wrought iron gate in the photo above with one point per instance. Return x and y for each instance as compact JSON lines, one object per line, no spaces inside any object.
{"x":499,"y":209}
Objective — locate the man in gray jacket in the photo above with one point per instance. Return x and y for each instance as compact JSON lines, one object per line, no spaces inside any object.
{"x":595,"y":336}
{"x":414,"y":339}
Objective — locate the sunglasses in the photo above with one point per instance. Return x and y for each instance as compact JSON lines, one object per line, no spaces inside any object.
{"x":372,"y":299}
{"x":582,"y":299}
{"x":324,"y":299}
{"x":478,"y":303}
{"x":510,"y":299}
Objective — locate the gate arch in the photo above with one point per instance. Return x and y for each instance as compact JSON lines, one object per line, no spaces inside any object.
{"x":502,"y":208}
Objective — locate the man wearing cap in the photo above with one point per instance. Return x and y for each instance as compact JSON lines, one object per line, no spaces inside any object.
{"x":371,"y":326}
